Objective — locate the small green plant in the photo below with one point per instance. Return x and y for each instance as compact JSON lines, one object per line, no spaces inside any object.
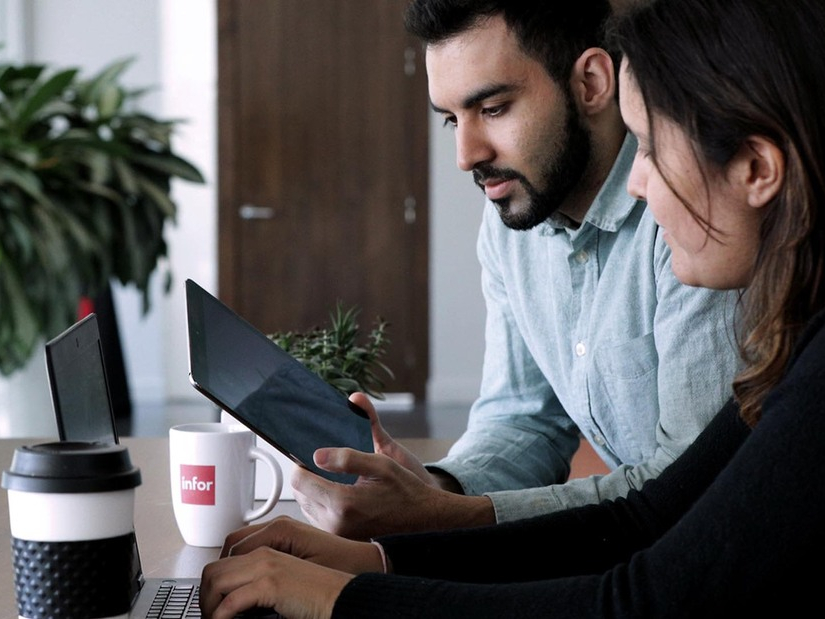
{"x":335,"y":354}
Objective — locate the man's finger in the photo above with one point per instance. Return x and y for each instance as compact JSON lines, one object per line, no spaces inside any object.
{"x":351,"y":461}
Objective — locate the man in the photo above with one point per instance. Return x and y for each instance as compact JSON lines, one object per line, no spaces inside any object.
{"x":588,"y":331}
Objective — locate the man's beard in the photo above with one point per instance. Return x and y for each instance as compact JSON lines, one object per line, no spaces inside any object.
{"x":562,"y":171}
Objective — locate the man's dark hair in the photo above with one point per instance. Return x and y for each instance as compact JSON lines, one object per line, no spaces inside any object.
{"x":553,"y":32}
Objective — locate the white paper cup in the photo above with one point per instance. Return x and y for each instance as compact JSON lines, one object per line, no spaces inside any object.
{"x":71,"y":515}
{"x":212,"y":472}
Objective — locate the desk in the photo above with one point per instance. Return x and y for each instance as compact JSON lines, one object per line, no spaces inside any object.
{"x":162,"y":550}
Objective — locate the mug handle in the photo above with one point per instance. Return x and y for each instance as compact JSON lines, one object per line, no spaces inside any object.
{"x":277,"y":484}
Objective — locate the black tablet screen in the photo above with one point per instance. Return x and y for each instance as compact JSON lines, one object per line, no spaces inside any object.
{"x":254,"y":380}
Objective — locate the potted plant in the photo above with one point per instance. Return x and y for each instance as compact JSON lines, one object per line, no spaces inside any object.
{"x":84,"y":197}
{"x":337,"y":355}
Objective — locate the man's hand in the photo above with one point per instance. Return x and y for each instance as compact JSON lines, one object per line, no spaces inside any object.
{"x":383,"y":443}
{"x":394,"y":492}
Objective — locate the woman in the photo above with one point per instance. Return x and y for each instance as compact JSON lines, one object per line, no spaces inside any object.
{"x":726,"y":100}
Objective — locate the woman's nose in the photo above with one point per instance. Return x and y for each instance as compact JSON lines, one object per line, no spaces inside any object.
{"x":636,"y":181}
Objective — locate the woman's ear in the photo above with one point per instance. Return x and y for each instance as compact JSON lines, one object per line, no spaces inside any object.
{"x":763,"y":170}
{"x":593,"y":81}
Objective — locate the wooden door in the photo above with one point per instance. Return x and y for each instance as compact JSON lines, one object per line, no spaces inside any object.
{"x":323,"y":170}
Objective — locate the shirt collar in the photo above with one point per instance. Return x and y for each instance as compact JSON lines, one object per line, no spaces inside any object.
{"x":612,"y":204}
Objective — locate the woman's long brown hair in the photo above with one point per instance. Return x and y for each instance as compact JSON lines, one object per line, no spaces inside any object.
{"x":726,"y":70}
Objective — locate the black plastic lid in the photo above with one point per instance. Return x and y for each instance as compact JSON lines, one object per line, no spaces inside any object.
{"x":67,"y":466}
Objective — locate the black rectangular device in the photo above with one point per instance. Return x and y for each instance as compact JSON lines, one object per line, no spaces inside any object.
{"x":258,"y":383}
{"x":78,"y":384}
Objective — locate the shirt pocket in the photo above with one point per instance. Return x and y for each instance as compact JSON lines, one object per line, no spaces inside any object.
{"x":629,"y":413}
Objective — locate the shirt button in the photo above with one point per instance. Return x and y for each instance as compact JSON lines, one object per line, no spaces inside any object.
{"x":581,"y":349}
{"x":598,"y":439}
{"x":582,"y":257}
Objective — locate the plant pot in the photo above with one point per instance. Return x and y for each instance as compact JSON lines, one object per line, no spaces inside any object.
{"x":25,"y":402}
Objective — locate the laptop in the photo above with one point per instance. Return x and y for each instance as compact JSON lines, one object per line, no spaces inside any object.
{"x":81,"y":400}
{"x":79,"y":388}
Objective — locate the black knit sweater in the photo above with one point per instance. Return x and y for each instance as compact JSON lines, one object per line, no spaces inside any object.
{"x":736,"y":525}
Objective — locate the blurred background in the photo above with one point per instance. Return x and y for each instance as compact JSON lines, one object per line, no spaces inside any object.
{"x":327,"y":178}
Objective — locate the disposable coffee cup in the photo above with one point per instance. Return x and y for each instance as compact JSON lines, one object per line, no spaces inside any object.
{"x":71,"y":516}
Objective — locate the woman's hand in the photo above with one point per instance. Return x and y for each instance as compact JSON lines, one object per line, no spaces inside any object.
{"x":268,"y":578}
{"x":284,"y":564}
{"x":305,"y":542}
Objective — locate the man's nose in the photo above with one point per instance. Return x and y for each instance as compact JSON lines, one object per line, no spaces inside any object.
{"x":472,"y":147}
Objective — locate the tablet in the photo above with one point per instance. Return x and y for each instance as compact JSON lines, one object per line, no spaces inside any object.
{"x":255,"y":381}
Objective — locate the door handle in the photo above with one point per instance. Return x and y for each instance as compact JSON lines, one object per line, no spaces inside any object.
{"x":250,"y":211}
{"x":409,"y":209}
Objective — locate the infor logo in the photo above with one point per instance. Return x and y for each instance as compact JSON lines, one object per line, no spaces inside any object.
{"x":197,"y":484}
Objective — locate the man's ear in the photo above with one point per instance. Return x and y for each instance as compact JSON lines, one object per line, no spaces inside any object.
{"x":761,"y":165}
{"x":593,"y":81}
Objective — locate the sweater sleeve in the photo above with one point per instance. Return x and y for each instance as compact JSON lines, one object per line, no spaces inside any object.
{"x":434,"y":570}
{"x":732,"y":527}
{"x":575,"y":541}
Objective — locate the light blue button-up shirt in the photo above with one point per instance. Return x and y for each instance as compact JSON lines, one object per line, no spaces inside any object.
{"x":588,"y":331}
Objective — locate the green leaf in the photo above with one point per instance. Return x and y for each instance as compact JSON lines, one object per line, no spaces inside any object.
{"x":126,"y":176}
{"x":102,"y":190}
{"x":25,"y":180}
{"x":150,"y":129}
{"x":14,"y":80}
{"x":171,"y":165}
{"x":159,"y":196}
{"x":16,"y":304}
{"x":91,"y":91}
{"x":43,"y":95}
{"x":99,"y":164}
{"x":110,"y":100}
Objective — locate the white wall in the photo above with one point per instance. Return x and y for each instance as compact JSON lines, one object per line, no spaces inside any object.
{"x":456,"y":304}
{"x":174,"y":42}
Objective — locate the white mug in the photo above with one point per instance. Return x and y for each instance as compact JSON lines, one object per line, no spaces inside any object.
{"x":212,"y":470}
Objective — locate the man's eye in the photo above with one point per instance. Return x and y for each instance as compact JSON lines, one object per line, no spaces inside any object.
{"x":450,"y":121}
{"x":497,"y":110}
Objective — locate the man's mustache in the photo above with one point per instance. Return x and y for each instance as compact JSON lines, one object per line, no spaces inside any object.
{"x":483,"y":173}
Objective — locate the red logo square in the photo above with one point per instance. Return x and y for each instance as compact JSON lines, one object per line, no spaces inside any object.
{"x":197,"y":484}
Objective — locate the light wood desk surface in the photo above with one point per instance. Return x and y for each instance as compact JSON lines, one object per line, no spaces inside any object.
{"x":163,"y":552}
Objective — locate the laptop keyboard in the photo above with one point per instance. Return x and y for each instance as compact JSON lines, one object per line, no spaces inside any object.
{"x":179,"y":601}
{"x":175,"y":601}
